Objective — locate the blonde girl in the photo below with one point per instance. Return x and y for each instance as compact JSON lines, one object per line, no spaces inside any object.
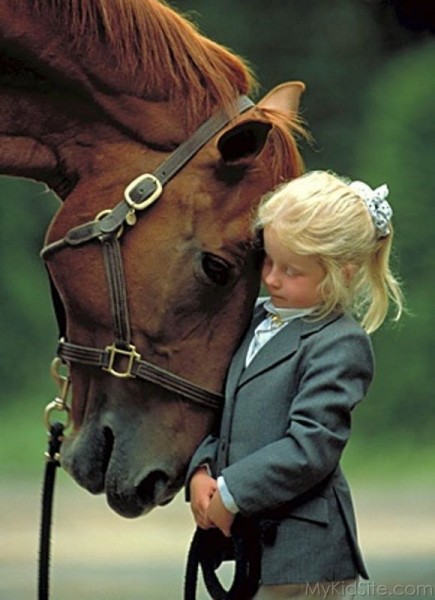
{"x":347,"y":226}
{"x":305,"y":363}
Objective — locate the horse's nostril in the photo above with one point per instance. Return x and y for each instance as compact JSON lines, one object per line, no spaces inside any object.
{"x":109,"y":441}
{"x":152,"y":488}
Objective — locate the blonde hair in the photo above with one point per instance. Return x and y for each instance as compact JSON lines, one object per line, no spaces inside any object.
{"x":320,"y":215}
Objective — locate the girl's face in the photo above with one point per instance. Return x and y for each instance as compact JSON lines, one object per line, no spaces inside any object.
{"x":292,"y":279}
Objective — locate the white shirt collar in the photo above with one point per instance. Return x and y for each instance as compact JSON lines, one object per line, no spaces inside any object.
{"x":287,"y":314}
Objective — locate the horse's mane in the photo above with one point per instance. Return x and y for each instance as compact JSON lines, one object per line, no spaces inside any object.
{"x":158,"y":50}
{"x":164,"y":57}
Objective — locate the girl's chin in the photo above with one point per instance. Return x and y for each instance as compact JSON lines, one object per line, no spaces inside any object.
{"x":279,"y":302}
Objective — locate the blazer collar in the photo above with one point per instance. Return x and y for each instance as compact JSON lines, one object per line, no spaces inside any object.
{"x":280,"y":347}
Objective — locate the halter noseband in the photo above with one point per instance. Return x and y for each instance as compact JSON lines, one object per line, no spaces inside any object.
{"x":108,"y":227}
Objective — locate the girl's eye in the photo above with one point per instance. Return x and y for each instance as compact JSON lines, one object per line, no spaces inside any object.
{"x":292,"y":272}
{"x":216,"y":268}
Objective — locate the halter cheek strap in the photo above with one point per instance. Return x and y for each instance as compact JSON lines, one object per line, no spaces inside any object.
{"x":121,"y":358}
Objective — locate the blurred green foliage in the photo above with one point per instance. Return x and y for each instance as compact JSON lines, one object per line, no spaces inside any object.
{"x":397,"y":142}
{"x":27,"y":328}
{"x":369,"y":104}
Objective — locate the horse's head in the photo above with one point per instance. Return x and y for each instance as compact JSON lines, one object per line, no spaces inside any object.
{"x":189,"y":263}
{"x":191,"y":275}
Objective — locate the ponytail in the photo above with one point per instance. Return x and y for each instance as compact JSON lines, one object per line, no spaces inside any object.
{"x":377,"y":286}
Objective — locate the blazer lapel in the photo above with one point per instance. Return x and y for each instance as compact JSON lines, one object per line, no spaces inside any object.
{"x":280,"y":347}
{"x":283,"y":344}
{"x":238,"y":362}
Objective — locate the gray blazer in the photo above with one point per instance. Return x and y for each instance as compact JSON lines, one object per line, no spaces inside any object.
{"x":285,"y":424}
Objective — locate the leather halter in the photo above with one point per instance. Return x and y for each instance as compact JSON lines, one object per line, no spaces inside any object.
{"x":120,"y":358}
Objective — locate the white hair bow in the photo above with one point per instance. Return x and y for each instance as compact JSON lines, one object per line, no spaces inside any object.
{"x":377,"y":204}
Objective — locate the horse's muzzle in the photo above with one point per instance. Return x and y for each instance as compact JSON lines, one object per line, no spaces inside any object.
{"x":101,"y":464}
{"x":153,"y":489}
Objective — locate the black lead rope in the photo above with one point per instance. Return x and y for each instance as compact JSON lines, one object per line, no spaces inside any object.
{"x":209,"y":548}
{"x":52,"y":455}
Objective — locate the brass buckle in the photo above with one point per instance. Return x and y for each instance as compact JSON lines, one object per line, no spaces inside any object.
{"x":132,"y":356}
{"x":156,"y":194}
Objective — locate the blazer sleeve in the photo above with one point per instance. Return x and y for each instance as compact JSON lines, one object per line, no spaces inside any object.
{"x":204,"y":454}
{"x":338,"y":368}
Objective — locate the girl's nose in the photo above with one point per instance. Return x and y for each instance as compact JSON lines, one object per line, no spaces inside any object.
{"x":270,"y":278}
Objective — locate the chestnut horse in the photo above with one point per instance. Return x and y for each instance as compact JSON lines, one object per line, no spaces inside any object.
{"x":93,"y":93}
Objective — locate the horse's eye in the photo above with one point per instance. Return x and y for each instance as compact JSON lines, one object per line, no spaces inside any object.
{"x":217,"y":269}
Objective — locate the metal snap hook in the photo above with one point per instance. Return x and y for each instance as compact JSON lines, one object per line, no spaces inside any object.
{"x":59,"y":404}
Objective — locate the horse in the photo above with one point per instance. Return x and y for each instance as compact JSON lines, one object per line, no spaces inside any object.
{"x":94,"y":93}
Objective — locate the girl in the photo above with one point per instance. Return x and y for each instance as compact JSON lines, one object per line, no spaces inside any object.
{"x":304,"y":364}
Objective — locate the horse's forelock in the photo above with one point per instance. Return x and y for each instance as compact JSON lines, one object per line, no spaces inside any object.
{"x":159,"y":50}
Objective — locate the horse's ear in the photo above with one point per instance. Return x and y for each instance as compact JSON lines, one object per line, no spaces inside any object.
{"x":243,"y":142}
{"x":284,"y":98}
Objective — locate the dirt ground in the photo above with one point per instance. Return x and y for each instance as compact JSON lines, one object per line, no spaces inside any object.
{"x":98,"y":555}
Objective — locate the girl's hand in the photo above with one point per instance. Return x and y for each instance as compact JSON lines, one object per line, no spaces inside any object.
{"x":202,"y":489}
{"x":220,"y":516}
